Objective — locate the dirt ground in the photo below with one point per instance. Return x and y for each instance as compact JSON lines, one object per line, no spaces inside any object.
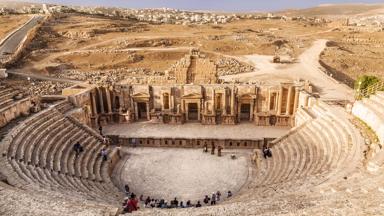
{"x":187,"y":174}
{"x":95,"y":43}
{"x":8,"y":23}
{"x":355,"y":52}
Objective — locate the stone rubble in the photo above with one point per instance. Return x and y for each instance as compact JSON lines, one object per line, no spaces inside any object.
{"x":230,"y":66}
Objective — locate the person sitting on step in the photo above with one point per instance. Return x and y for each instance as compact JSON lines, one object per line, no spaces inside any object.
{"x":126,"y":190}
{"x":267,"y":152}
{"x":104,"y":154}
{"x":78,"y":148}
{"x":198,"y":205}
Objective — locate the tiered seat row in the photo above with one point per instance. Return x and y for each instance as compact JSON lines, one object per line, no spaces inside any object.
{"x":318,"y":150}
{"x":371,"y":111}
{"x":39,"y":152}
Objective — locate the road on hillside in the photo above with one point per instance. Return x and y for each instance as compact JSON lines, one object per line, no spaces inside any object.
{"x":10,"y":45}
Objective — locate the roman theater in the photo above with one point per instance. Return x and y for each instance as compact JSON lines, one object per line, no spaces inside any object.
{"x":187,"y":125}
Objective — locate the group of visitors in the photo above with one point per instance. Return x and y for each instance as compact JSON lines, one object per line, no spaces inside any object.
{"x":131,"y":203}
{"x":78,"y":149}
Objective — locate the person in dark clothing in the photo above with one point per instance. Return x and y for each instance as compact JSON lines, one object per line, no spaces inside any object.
{"x":213,"y":199}
{"x":182,"y":204}
{"x":78,"y":148}
{"x":126,"y":190}
{"x":101,"y":130}
{"x":104,"y":154}
{"x":174,"y":203}
{"x":147,"y":201}
{"x":198,"y":205}
{"x":206,"y":199}
{"x":229,"y":194}
{"x":189,"y":204}
{"x":267,"y":152}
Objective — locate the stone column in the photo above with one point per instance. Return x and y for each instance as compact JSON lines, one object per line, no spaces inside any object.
{"x":186,"y":111}
{"x":296,"y":101}
{"x":93,"y":102}
{"x":147,"y":106}
{"x":280,"y":101}
{"x":289,"y":101}
{"x":100,"y":93}
{"x":225,"y":102}
{"x":172,"y":102}
{"x":251,"y":112}
{"x":213,"y":102}
{"x":238,"y":111}
{"x":269,"y":100}
{"x":136,"y":110}
{"x":108,"y":94}
{"x":233,"y":101}
{"x":198,"y":110}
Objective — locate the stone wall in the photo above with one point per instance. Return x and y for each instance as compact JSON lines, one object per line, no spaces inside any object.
{"x":193,"y":143}
{"x":14,"y":110}
{"x":207,"y":104}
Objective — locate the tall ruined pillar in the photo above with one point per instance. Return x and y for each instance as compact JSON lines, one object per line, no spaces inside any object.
{"x":233,"y":101}
{"x":93,"y":103}
{"x":101,"y":103}
{"x":213,"y":102}
{"x":136,"y":111}
{"x":252,"y":110}
{"x":198,"y":110}
{"x":280,"y":101}
{"x":296,"y":101}
{"x":225,"y":102}
{"x":109,"y":103}
{"x":289,"y":101}
{"x":147,"y":106}
{"x":269,"y":100}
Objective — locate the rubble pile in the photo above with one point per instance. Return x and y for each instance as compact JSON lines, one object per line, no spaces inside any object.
{"x":45,"y":87}
{"x":230,"y":66}
{"x":77,"y":34}
{"x":108,"y":76}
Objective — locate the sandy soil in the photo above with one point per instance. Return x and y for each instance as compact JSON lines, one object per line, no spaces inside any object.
{"x":68,"y":34}
{"x":188,"y":174}
{"x":307,"y":68}
{"x":8,"y":23}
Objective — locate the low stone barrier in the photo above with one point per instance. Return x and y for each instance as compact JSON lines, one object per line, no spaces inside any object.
{"x":193,"y":143}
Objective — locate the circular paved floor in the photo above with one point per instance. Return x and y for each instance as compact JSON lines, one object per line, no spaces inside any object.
{"x":187,"y":174}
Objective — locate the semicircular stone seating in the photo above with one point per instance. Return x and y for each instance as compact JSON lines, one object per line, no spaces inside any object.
{"x":312,"y":170}
{"x":316,"y":168}
{"x":38,"y":154}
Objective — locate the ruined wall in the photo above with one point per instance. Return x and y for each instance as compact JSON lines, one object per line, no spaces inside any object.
{"x":205,"y":72}
{"x":208,"y":104}
{"x":14,"y":110}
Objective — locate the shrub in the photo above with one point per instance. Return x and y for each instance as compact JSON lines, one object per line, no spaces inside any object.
{"x":365,"y":81}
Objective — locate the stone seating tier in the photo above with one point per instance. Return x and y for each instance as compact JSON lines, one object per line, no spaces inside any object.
{"x":38,"y":153}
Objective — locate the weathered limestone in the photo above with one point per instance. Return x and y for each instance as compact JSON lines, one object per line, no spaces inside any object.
{"x":12,"y":105}
{"x":371,"y":111}
{"x":194,"y":68}
{"x":208,"y":104}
